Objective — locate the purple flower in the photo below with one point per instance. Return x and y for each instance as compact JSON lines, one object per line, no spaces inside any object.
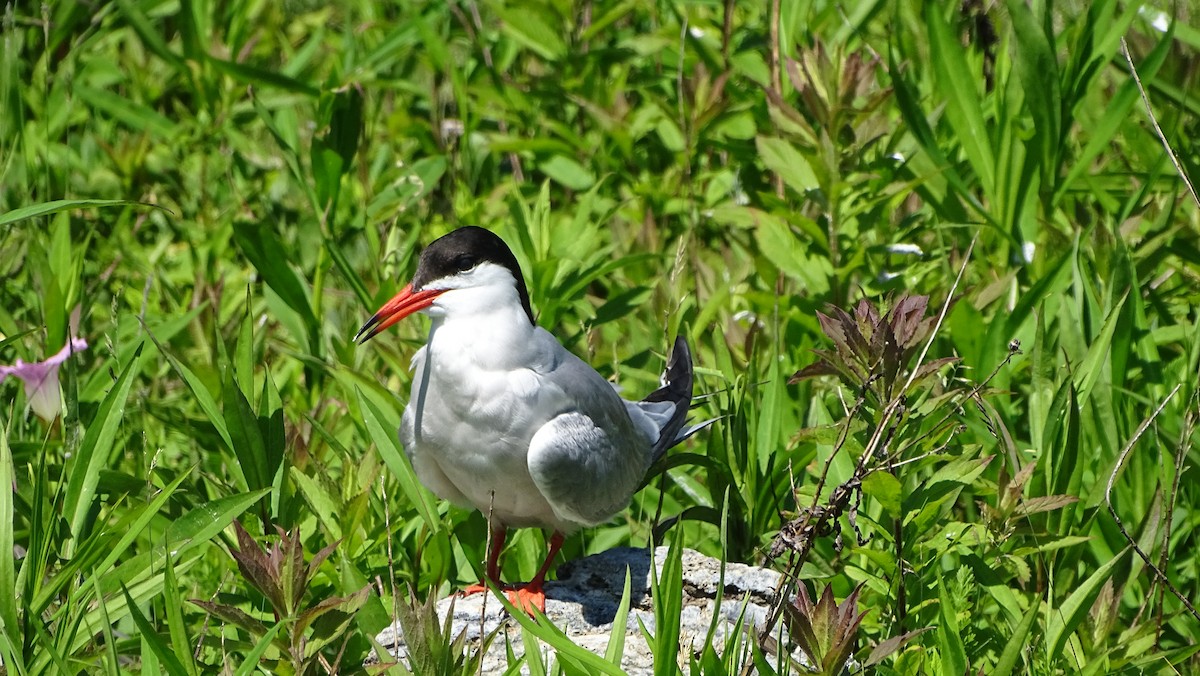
{"x":41,"y":380}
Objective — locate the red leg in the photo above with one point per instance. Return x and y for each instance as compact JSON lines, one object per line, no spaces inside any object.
{"x":531,"y":594}
{"x":492,"y":570}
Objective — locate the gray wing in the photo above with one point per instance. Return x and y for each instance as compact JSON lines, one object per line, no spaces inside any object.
{"x":589,"y":459}
{"x":584,"y":473}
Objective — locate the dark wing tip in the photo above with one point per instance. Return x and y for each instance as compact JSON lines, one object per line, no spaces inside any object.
{"x":677,"y":389}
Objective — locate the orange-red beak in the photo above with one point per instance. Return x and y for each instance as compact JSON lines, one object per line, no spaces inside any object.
{"x":400,"y":306}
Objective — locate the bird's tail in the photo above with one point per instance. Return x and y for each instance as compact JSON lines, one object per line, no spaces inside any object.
{"x":677,"y":390}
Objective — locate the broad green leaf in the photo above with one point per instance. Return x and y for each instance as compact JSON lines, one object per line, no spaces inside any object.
{"x":528,"y":27}
{"x":203,"y":522}
{"x":884,"y":487}
{"x":782,"y":158}
{"x":569,"y":172}
{"x":244,"y":432}
{"x":780,"y":245}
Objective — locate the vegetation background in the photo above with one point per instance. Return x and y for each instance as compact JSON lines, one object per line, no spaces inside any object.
{"x":725,"y":170}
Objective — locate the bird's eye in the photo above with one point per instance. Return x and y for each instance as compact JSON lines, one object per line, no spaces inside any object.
{"x":464,"y":262}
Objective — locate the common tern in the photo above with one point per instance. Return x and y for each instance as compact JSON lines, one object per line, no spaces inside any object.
{"x":504,"y":419}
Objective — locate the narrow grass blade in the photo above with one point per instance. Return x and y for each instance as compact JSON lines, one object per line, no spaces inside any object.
{"x":1038,"y":70}
{"x":667,"y":594}
{"x":145,"y":515}
{"x":949,"y":636}
{"x":251,"y":663}
{"x":393,"y":456}
{"x":1017,"y":643}
{"x":616,"y":642}
{"x":161,"y":650}
{"x":963,"y":108}
{"x":9,"y":627}
{"x":49,"y":651}
{"x":56,"y":206}
{"x":1093,"y":364}
{"x":94,"y":452}
{"x":555,"y":638}
{"x":1065,"y":619}
{"x":173,"y":603}
{"x":106,"y":629}
{"x":203,"y":397}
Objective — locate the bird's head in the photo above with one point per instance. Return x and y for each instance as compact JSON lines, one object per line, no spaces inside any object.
{"x":467,"y":270}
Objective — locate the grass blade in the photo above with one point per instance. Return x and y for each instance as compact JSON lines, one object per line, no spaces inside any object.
{"x":161,"y":650}
{"x":9,"y":626}
{"x":388,"y":444}
{"x":1067,"y":617}
{"x":95,"y":450}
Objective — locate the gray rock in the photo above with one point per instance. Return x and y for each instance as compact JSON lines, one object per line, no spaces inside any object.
{"x":583,"y":604}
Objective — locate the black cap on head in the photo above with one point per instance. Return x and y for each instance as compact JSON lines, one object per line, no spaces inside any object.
{"x":462,"y":250}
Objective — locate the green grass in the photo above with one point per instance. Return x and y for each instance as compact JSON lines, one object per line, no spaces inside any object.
{"x":226,"y":191}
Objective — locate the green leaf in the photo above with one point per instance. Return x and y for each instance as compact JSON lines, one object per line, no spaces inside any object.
{"x":265,"y":251}
{"x":884,"y":487}
{"x":566,"y":649}
{"x":180,"y":641}
{"x":9,"y":627}
{"x":253,"y":660}
{"x":385,"y":440}
{"x":1038,"y":69}
{"x":568,"y":172}
{"x":95,"y":451}
{"x":780,"y":245}
{"x":527,"y":27}
{"x":320,"y":502}
{"x":1017,"y":643}
{"x":957,"y":87}
{"x":950,"y":645}
{"x":133,"y":114}
{"x":261,"y":77}
{"x":785,"y":160}
{"x":202,"y":523}
{"x":161,"y":650}
{"x":57,"y":206}
{"x":616,"y":641}
{"x":666,"y":589}
{"x":203,"y":397}
{"x":1097,"y":355}
{"x":244,"y":432}
{"x":1065,"y":619}
{"x":135,"y":523}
